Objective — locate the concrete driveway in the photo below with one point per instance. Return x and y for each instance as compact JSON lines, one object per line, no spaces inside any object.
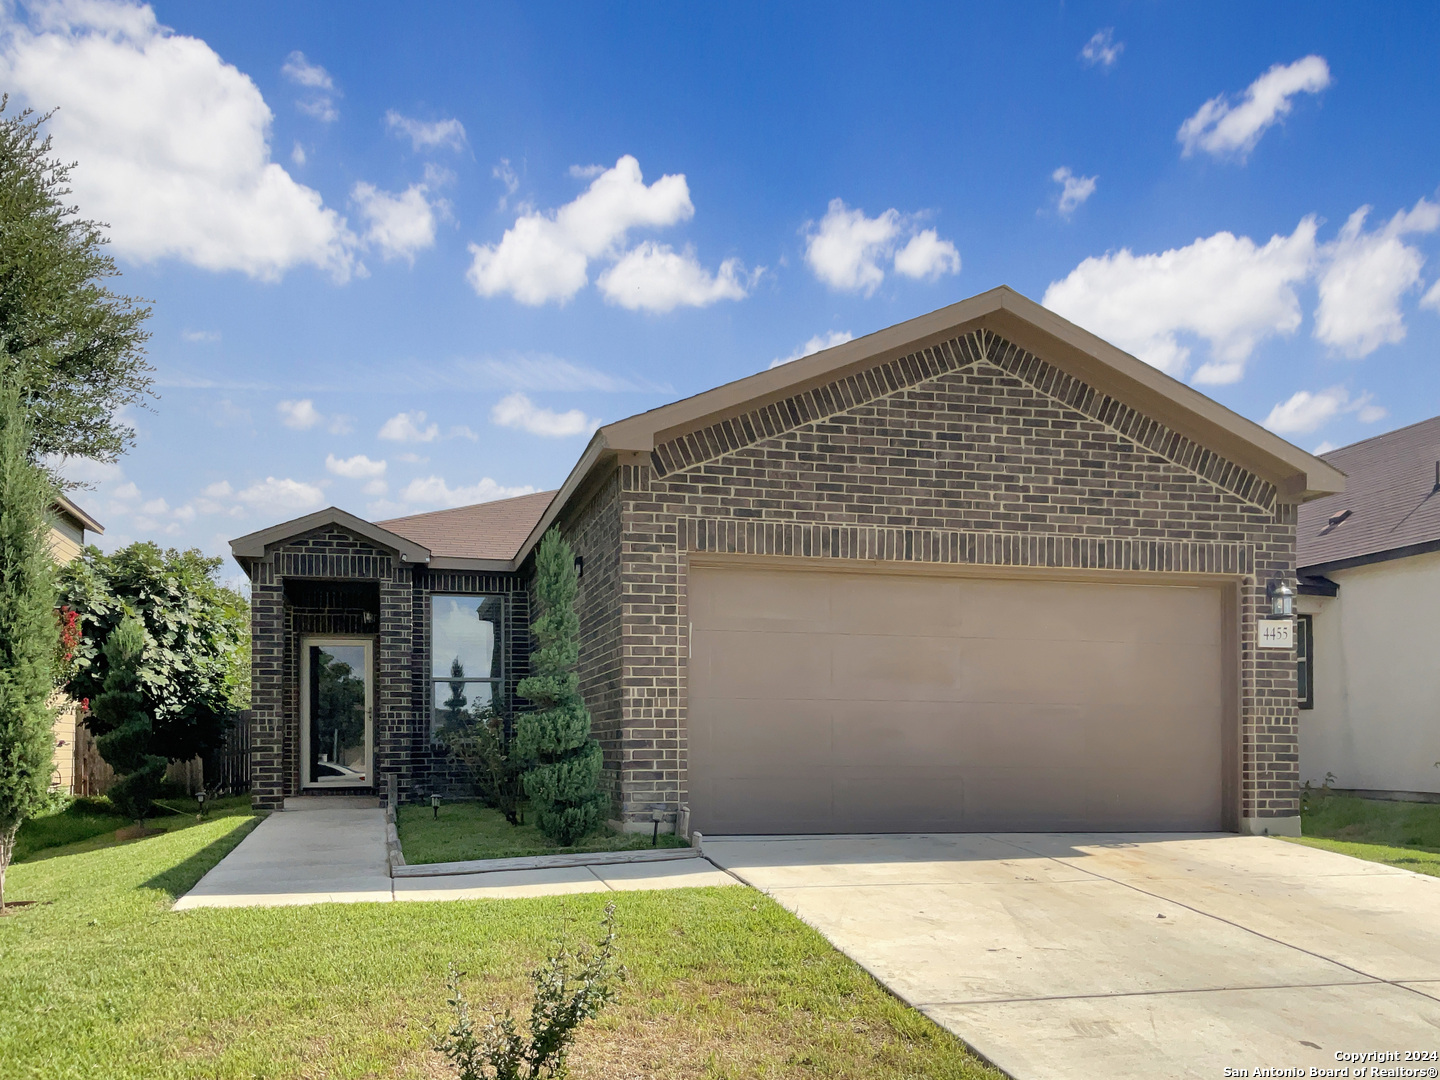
{"x":1066,"y":955}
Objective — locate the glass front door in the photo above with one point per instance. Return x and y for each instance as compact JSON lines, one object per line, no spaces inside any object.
{"x":335,"y":690}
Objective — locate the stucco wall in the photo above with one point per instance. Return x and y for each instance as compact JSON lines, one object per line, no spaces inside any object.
{"x":1376,"y":720}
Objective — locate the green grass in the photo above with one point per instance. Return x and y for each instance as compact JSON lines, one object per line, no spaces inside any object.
{"x":95,"y":818}
{"x":470,"y":830}
{"x":1404,"y":834}
{"x":105,"y":980}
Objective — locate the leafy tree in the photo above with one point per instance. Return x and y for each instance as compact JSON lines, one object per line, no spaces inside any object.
{"x":73,"y":348}
{"x":562,"y":781}
{"x":29,"y":631}
{"x":341,"y":704}
{"x":454,"y":707}
{"x":120,"y":711}
{"x":190,"y":677}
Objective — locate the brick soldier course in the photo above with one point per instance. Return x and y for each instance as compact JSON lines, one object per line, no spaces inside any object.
{"x":942,"y":442}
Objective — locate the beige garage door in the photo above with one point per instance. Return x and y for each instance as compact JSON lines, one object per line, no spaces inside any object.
{"x":873,"y":702}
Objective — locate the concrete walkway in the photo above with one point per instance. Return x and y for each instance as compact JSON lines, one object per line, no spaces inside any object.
{"x":338,"y":856}
{"x":1060,"y":956}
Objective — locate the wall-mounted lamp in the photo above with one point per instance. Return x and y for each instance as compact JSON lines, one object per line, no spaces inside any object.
{"x":579,"y":567}
{"x":1281,"y":597}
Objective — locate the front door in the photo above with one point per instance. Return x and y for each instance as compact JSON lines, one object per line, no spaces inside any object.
{"x":337,"y":738}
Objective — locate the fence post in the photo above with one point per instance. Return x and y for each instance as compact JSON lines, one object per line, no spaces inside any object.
{"x":392,"y":783}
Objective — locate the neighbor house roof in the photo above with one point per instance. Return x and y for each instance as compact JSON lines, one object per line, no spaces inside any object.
{"x":491,"y":530}
{"x":79,"y":516}
{"x":1390,"y":507}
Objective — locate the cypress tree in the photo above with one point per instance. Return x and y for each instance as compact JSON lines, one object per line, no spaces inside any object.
{"x":120,"y":711}
{"x":29,"y":633}
{"x":555,"y":736}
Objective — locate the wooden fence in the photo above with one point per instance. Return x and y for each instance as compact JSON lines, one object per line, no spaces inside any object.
{"x":225,"y":771}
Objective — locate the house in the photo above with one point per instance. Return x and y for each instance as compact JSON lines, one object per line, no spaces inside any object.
{"x":68,"y":525}
{"x":1368,"y":633}
{"x":978,"y":571}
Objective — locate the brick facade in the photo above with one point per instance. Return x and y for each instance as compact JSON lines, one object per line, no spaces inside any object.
{"x":331,"y":582}
{"x":973,"y":452}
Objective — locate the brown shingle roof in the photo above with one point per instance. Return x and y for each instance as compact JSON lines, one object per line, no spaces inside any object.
{"x":1390,"y":493}
{"x":490,"y":530}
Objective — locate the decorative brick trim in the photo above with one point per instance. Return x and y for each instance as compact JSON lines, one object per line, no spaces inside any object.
{"x":812,"y":405}
{"x":823,"y":402}
{"x":1151,"y":434}
{"x":963,"y":547}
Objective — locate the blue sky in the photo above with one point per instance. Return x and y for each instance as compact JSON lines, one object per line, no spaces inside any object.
{"x":521,"y":220}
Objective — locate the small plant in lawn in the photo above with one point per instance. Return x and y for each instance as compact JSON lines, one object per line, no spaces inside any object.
{"x":569,"y":988}
{"x":120,"y":713}
{"x":28,"y":630}
{"x":562,"y":781}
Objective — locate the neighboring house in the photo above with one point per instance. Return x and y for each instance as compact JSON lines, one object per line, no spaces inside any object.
{"x":978,"y":571}
{"x":1369,"y":564}
{"x":68,"y":525}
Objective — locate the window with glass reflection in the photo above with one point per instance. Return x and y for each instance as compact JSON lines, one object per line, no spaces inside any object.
{"x":466,"y":658}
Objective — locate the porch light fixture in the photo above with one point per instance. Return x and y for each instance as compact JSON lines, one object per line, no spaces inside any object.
{"x":579,"y":567}
{"x":1281,"y":597}
{"x":435,"y":805}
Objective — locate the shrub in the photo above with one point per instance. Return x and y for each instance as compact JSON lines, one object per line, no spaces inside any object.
{"x":569,"y":988}
{"x":120,"y":712}
{"x":489,"y":758}
{"x":563,"y":780}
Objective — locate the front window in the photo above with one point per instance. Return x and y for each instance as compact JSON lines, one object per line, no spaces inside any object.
{"x":466,"y":652}
{"x":1305,"y":660}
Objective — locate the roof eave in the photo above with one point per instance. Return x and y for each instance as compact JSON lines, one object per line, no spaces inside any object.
{"x":253,"y":545}
{"x":86,"y":521}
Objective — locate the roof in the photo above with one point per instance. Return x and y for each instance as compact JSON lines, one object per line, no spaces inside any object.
{"x":1297,"y":475}
{"x":1390,"y":507}
{"x":84,"y":520}
{"x":490,"y":530}
{"x":500,"y":535}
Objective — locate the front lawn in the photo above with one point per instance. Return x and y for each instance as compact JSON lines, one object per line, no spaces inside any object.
{"x":105,"y":980}
{"x":471,"y":830}
{"x":1404,"y":834}
{"x":88,"y":818}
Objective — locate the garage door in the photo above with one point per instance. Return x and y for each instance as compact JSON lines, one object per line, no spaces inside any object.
{"x":875,"y":702}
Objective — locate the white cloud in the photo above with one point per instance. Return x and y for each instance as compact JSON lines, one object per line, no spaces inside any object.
{"x":221,"y":489}
{"x":1432,"y":298}
{"x":506,"y":175}
{"x":1074,"y":190}
{"x":846,"y":248}
{"x":463,"y":431}
{"x":358,"y":467}
{"x":411,"y":458}
{"x":427,"y":135}
{"x":376,"y":487}
{"x":297,"y":155}
{"x":434,"y":491}
{"x":1222,"y":129}
{"x":127,"y":490}
{"x":655,"y":277}
{"x":155,"y":506}
{"x":1365,"y":277}
{"x":545,"y":256}
{"x":409,"y":427}
{"x":1225,"y":289}
{"x":586,"y":172}
{"x":927,"y":257}
{"x":399,"y":225}
{"x":518,"y":411}
{"x":201,"y":335}
{"x":319,"y":103}
{"x":1304,"y":412}
{"x":300,"y":415}
{"x":1102,"y":49}
{"x":814,"y":345}
{"x":1324,"y":448}
{"x":173,"y":142}
{"x":543,"y":372}
{"x":282,"y":496}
